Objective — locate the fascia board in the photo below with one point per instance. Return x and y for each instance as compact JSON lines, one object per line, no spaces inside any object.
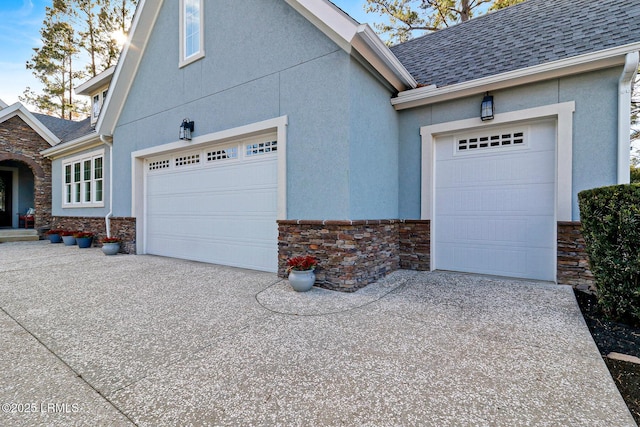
{"x":3,"y":104}
{"x":335,"y":24}
{"x":127,"y":66}
{"x":18,"y":109}
{"x":369,"y":45}
{"x":575,"y":65}
{"x":102,"y":79}
{"x":80,"y":144}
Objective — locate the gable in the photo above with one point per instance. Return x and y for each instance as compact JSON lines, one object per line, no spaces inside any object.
{"x":355,"y":39}
{"x":27,"y":117}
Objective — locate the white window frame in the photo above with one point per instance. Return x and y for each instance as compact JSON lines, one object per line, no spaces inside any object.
{"x":71,"y":198}
{"x":194,"y":56}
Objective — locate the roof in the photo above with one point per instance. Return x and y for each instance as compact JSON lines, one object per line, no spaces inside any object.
{"x":529,"y":34}
{"x":17,"y":109}
{"x":65,"y":130}
{"x":96,"y":82}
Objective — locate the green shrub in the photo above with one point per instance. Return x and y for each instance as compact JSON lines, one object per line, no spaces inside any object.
{"x":611,"y":227}
{"x":634,"y":173}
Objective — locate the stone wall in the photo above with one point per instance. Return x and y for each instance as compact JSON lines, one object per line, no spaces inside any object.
{"x":353,"y":254}
{"x":121,"y":227}
{"x":573,"y":262}
{"x":20,"y":143}
{"x":415,"y":244}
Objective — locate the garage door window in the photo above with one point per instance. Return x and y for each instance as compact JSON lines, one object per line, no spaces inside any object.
{"x":491,"y":142}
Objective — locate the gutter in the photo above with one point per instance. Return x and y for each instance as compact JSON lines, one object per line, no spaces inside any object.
{"x":578,"y":64}
{"x":624,"y":113}
{"x":108,"y":141}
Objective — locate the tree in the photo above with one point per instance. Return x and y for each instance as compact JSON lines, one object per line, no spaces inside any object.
{"x":53,"y":65}
{"x":406,"y":17}
{"x":75,"y":30}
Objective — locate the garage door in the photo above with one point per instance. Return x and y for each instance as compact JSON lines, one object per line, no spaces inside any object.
{"x":216,"y":205}
{"x":495,"y":202}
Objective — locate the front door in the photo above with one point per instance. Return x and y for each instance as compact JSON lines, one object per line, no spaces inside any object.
{"x":6,"y":184}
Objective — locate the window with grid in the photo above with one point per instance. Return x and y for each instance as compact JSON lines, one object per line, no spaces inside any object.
{"x":83,"y":181}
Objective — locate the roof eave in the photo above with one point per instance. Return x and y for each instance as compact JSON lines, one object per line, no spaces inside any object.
{"x":565,"y":67}
{"x":368,"y":44}
{"x":79,"y":144}
{"x":18,"y":109}
{"x":90,"y":86}
{"x":127,"y":67}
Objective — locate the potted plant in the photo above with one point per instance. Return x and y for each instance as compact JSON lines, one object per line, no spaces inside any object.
{"x":301,"y":272}
{"x":68,"y":237}
{"x":54,"y":235}
{"x":110,"y":245}
{"x":84,"y":239}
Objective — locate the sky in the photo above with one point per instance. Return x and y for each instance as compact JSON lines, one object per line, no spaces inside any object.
{"x":20,"y":23}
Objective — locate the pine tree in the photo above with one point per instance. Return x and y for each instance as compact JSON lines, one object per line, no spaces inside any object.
{"x":75,"y":31}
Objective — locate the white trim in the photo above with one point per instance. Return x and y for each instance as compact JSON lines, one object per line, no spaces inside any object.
{"x":369,"y":45}
{"x":127,"y":67}
{"x":184,"y":61}
{"x":138,"y":174}
{"x":563,"y":113}
{"x":624,"y":112}
{"x":574,"y":65}
{"x":75,"y":146}
{"x":3,"y":104}
{"x":81,"y":159}
{"x":102,"y":79}
{"x":15,"y":189}
{"x":19,"y":110}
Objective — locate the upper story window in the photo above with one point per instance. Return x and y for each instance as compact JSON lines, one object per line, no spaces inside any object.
{"x":84,"y":181}
{"x":191,"y":31}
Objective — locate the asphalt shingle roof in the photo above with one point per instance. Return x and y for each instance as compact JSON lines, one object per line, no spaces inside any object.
{"x":66,"y":130}
{"x":531,"y":33}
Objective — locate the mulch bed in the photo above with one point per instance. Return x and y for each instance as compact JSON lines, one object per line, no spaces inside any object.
{"x":614,"y":337}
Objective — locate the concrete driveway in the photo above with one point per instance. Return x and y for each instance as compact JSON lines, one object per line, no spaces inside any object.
{"x":141,"y":340}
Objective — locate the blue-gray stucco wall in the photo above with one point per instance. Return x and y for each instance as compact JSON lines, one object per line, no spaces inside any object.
{"x":594,"y":129}
{"x":264,"y":60}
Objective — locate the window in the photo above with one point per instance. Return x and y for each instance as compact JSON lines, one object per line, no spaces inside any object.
{"x":191,"y":31}
{"x":83,"y":181}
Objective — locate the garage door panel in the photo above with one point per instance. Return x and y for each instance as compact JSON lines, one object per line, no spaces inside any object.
{"x":495,"y":206}
{"x":512,"y":168}
{"x":498,"y":261}
{"x":535,"y":199}
{"x":223,"y":212}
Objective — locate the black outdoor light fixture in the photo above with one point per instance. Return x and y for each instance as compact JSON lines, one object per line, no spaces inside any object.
{"x":486,"y":111}
{"x":186,"y":128}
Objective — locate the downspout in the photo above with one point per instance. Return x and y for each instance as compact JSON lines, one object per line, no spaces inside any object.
{"x":108,"y":141}
{"x":624,"y":115}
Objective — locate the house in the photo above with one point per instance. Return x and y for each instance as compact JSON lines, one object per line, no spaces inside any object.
{"x":245,"y":132}
{"x":25,"y":173}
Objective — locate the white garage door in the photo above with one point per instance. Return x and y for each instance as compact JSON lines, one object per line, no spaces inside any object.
{"x":216,"y":205}
{"x":495,"y":202}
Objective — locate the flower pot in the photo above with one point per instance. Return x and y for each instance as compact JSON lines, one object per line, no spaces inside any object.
{"x":110,"y":248}
{"x":69,"y":240}
{"x":302,"y":281}
{"x":55,"y":238}
{"x":84,"y":242}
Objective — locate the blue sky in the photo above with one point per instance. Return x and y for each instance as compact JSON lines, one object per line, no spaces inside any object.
{"x":21,"y":20}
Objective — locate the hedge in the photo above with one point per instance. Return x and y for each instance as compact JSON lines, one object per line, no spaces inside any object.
{"x":610,"y":219}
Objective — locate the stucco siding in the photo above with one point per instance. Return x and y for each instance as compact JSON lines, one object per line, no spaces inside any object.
{"x":373,"y":149}
{"x":263,"y":60}
{"x":594,"y":129}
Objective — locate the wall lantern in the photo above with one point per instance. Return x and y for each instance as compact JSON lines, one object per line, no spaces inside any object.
{"x":186,"y":128}
{"x":486,"y":111}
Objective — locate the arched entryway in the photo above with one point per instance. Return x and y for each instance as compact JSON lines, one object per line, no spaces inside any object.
{"x":21,"y":184}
